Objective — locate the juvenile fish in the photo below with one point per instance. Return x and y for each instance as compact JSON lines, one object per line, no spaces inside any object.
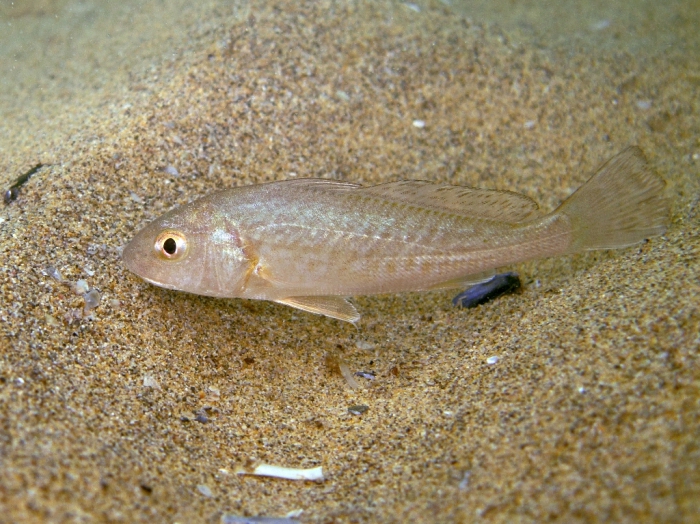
{"x":309,"y":243}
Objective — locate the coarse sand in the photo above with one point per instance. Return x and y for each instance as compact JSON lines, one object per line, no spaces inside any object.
{"x":146,"y":407}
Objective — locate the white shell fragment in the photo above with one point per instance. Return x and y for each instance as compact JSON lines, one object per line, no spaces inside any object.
{"x":92,"y":300}
{"x":347,"y":375}
{"x":204,"y":490}
{"x":150,"y":382}
{"x":81,"y":287}
{"x":235,"y":519}
{"x":267,"y":470}
{"x":491,"y":360}
{"x":54,"y":273}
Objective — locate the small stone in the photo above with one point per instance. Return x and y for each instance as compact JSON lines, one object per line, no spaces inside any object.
{"x":358,"y":409}
{"x":80,"y":287}
{"x":54,"y":273}
{"x":204,"y":490}
{"x":150,"y":382}
{"x":92,"y":300}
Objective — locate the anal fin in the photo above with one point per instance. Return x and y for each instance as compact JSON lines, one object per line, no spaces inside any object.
{"x":331,"y":306}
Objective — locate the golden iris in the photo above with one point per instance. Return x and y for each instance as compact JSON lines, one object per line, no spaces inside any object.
{"x":171,"y":245}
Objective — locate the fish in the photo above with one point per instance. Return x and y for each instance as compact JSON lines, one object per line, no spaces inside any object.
{"x":313,"y":243}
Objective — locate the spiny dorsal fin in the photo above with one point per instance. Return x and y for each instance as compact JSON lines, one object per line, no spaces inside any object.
{"x":318,"y":183}
{"x":331,"y":306}
{"x":487,"y":204}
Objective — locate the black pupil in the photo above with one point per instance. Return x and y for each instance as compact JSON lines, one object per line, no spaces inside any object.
{"x":170,"y":246}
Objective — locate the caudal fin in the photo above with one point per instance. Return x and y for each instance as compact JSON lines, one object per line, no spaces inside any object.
{"x":622,"y":204}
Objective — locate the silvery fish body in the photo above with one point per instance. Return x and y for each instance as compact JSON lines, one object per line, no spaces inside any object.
{"x":309,"y":243}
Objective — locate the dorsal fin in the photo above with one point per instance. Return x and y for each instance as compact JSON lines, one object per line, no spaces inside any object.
{"x":489,"y":204}
{"x":318,"y":183}
{"x":465,"y":201}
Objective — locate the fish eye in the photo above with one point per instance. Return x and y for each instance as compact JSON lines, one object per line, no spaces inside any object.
{"x":171,"y":245}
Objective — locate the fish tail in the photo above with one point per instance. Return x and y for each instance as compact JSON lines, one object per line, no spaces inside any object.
{"x":622,"y":204}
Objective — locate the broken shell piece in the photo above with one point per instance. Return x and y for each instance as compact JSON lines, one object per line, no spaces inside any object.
{"x":267,"y":470}
{"x":235,"y":519}
{"x":347,"y":374}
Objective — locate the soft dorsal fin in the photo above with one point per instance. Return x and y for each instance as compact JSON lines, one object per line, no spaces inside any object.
{"x":331,"y":306}
{"x":487,"y":204}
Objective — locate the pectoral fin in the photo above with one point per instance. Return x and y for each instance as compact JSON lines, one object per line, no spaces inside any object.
{"x":331,"y":306}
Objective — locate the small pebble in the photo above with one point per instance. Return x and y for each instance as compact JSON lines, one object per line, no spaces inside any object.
{"x":54,"y":273}
{"x":150,"y":382}
{"x":464,"y":483}
{"x":486,"y":291}
{"x":204,"y":490}
{"x":644,"y":104}
{"x":92,"y":300}
{"x":357,"y":410}
{"x":172,"y":170}
{"x":491,"y":360}
{"x":80,"y":287}
{"x":213,"y":392}
{"x":420,"y":124}
{"x":11,"y":195}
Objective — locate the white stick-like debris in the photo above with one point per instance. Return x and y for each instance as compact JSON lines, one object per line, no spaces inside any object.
{"x":267,"y":470}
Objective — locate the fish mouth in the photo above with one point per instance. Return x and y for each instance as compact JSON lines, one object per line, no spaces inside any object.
{"x":160,"y":284}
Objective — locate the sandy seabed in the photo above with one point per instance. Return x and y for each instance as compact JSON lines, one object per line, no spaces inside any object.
{"x":146,"y":407}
